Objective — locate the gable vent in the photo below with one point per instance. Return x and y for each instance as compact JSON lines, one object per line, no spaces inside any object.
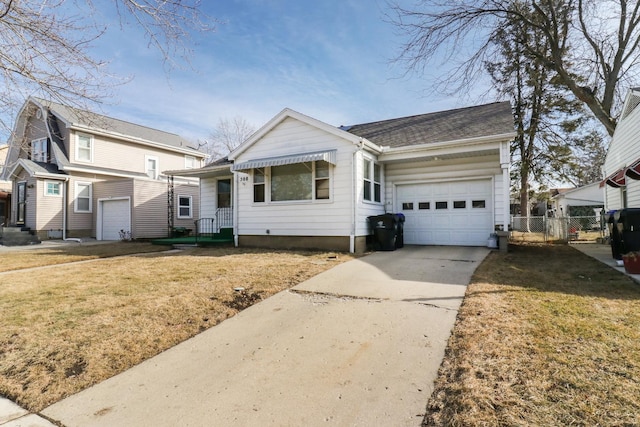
{"x":634,"y":100}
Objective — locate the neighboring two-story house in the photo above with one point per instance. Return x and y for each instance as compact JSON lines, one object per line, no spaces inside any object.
{"x":79,"y":174}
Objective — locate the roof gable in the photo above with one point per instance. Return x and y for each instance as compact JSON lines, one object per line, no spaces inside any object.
{"x":281,"y":117}
{"x":443,"y":126}
{"x":89,"y":121}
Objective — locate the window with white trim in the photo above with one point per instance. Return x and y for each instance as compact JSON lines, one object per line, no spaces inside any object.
{"x":259,"y":184}
{"x":185,"y":204}
{"x":84,"y":148}
{"x":151,"y":166}
{"x":190,"y":162}
{"x":53,"y":188}
{"x":372,"y":178}
{"x":39,"y":150}
{"x":307,"y":181}
{"x":83,"y":192}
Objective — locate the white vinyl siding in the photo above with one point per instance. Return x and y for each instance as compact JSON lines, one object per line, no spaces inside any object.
{"x":331,"y":217}
{"x":623,"y":150}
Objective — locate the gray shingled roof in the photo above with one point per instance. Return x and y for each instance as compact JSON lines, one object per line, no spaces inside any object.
{"x":97,"y":121}
{"x":442,"y":126}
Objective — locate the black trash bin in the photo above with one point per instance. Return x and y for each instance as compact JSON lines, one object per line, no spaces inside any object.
{"x":628,"y":224}
{"x":384,"y":231}
{"x":615,"y":239}
{"x":399,"y":229}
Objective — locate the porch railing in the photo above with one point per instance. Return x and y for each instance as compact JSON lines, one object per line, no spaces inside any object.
{"x":208,"y":227}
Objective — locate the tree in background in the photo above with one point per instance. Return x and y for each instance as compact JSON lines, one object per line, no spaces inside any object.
{"x":547,"y":119}
{"x":590,"y":47}
{"x":228,"y":134}
{"x":45,"y":46}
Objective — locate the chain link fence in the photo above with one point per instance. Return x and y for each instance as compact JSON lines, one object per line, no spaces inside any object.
{"x":566,"y":229}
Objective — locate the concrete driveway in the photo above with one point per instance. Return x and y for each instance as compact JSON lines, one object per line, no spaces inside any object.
{"x":357,"y":345}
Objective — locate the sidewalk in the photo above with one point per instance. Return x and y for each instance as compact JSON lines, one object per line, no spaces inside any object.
{"x":12,"y":415}
{"x":602,"y":253}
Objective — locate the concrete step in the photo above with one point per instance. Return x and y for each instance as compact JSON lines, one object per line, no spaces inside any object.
{"x":15,"y":236}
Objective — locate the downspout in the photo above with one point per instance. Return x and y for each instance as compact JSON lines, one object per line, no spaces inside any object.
{"x":235,"y":207}
{"x":354,"y":198}
{"x":64,"y":213}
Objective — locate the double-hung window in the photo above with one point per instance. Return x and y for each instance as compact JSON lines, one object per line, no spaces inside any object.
{"x":84,"y":148}
{"x":372,"y":180}
{"x":53,"y":188}
{"x":190,"y":162}
{"x":151,"y":166}
{"x":305,"y":181}
{"x":185,"y":204}
{"x":83,"y":197}
{"x":39,"y":150}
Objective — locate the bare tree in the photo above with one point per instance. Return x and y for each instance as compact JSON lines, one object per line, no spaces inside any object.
{"x":591,"y":46}
{"x":45,"y":50}
{"x":228,"y":134}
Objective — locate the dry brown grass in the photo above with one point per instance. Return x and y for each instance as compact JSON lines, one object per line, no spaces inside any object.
{"x":546,"y":336}
{"x":63,"y":329}
{"x":18,"y":259}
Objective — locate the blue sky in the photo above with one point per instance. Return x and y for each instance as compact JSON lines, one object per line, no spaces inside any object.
{"x":328,"y":59}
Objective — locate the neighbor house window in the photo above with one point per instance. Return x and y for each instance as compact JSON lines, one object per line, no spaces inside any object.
{"x":52,"y":188}
{"x":151,"y":165}
{"x":83,"y":197}
{"x":184,"y":206}
{"x":190,"y":162}
{"x":372,"y":179}
{"x":84,"y":148}
{"x":258,"y":185}
{"x":39,"y":150}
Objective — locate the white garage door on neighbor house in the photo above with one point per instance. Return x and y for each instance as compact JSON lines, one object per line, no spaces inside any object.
{"x":115,"y":217}
{"x":447,"y":213}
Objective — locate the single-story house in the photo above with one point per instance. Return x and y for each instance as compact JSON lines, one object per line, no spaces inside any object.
{"x":76,"y":174}
{"x":586,"y":200}
{"x":622,"y":164}
{"x":301,"y":183}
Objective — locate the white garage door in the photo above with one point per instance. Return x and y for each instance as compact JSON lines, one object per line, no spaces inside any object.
{"x":447,"y":213}
{"x":115,"y":217}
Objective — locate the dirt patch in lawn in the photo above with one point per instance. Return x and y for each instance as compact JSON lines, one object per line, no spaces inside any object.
{"x":546,"y":336}
{"x":63,"y":329}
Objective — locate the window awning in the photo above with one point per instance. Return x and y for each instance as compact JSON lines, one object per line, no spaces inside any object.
{"x":633,"y":171}
{"x":616,"y":180}
{"x":327,"y":156}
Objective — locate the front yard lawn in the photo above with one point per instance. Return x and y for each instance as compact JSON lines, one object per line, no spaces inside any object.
{"x":67,"y":327}
{"x":17,"y":259}
{"x":546,"y":336}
